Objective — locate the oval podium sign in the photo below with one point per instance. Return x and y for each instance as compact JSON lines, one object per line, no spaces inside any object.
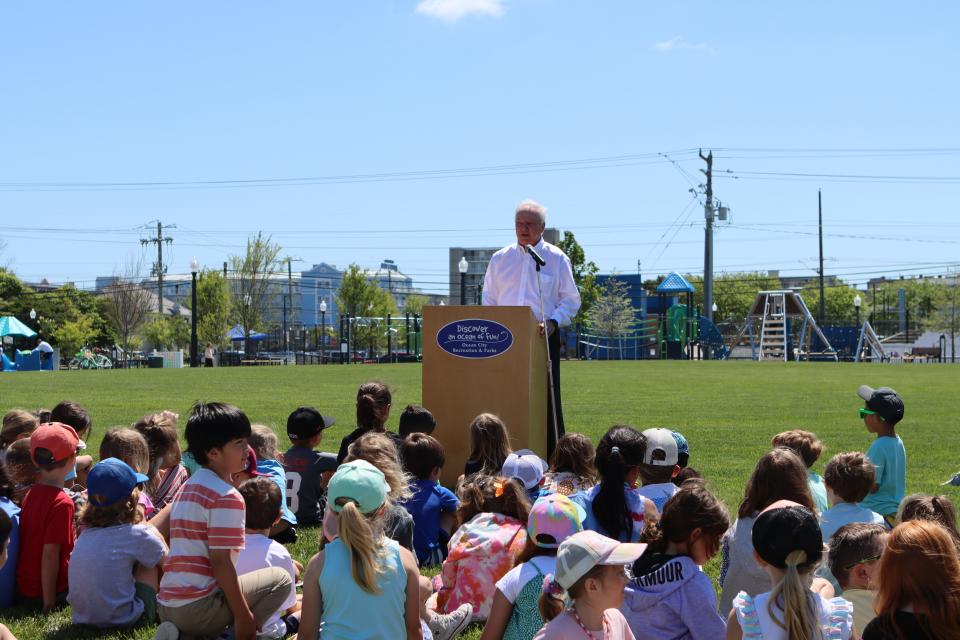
{"x":474,"y":338}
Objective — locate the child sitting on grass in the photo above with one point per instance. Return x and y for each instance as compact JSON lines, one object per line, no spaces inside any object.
{"x":166,"y":473}
{"x":848,"y":478}
{"x":493,"y":519}
{"x":200,"y":592}
{"x":489,"y":446}
{"x":431,"y":503}
{"x":362,"y":584}
{"x":128,"y":445}
{"x":919,"y":593}
{"x":515,"y":615}
{"x":263,"y":504}
{"x":527,"y":467}
{"x":72,"y":414}
{"x":46,"y":519}
{"x":22,"y":472}
{"x":788,"y":547}
{"x":855,"y":551}
{"x":572,"y":467}
{"x":10,"y":543}
{"x":614,"y":508}
{"x":882,"y":412}
{"x":115,"y":566}
{"x":264,"y":443}
{"x":307,"y":471}
{"x":416,"y":419}
{"x":670,"y":596}
{"x":809,"y":448}
{"x":373,"y":410}
{"x":17,"y":425}
{"x":591,"y":575}
{"x":661,"y":463}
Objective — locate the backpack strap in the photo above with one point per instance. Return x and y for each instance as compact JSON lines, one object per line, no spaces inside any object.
{"x":747,"y":616}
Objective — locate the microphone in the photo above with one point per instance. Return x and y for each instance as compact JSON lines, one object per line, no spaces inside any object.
{"x":536,"y":256}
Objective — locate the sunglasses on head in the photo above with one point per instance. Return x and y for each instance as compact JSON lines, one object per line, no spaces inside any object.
{"x":864,"y":561}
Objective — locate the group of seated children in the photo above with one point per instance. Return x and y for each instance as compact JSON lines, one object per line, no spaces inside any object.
{"x":607,"y":543}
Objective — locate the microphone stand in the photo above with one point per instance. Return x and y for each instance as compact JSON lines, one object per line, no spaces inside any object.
{"x":538,"y":261}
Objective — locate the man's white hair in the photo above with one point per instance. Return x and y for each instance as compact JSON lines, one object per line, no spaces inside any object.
{"x":534,"y":207}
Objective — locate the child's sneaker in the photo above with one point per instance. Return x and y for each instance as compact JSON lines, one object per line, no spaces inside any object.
{"x":449,"y":626}
{"x":166,"y":631}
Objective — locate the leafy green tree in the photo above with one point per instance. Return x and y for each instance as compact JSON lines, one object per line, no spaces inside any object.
{"x":837,"y":302}
{"x":167,"y":332}
{"x":415,"y":304}
{"x":213,"y":308}
{"x":733,"y":293}
{"x":71,"y":335}
{"x":361,"y":298}
{"x":252,"y":272}
{"x":584,"y":273}
{"x":612,"y":313}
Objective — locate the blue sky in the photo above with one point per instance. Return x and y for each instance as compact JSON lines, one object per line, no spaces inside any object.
{"x":116,"y":95}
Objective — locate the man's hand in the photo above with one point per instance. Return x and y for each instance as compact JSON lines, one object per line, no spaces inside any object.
{"x":551,"y":327}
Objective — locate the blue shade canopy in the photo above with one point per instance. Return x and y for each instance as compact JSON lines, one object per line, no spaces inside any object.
{"x":675,"y":283}
{"x":236,"y":333}
{"x":10,"y":326}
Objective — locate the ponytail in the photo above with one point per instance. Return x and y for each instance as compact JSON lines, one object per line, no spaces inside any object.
{"x":373,"y":400}
{"x":551,"y":602}
{"x":652,"y":535}
{"x":620,"y":449}
{"x":800,"y":619}
{"x":363,"y":542}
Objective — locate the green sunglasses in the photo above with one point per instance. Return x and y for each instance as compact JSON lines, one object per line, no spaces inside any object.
{"x":866,"y":412}
{"x":864,"y":561}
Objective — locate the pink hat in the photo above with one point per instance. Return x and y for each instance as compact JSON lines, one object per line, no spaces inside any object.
{"x":582,"y":551}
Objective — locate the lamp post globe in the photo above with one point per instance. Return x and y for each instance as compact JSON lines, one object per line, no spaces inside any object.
{"x":857,"y":301}
{"x":462,"y":267}
{"x":323,"y":327}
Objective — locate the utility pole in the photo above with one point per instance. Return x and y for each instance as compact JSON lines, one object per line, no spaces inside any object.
{"x":708,"y":239}
{"x":820,"y":224}
{"x":159,"y":269}
{"x":289,"y":260}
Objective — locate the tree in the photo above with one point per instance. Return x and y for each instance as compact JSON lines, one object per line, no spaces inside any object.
{"x":733,"y":293}
{"x":584,"y":273}
{"x":415,"y":304}
{"x":361,"y":298}
{"x":167,"y":332}
{"x":213,"y":308}
{"x":612,"y":315}
{"x":253,"y":271}
{"x":71,"y":335}
{"x":127,"y":305}
{"x":837,"y":301}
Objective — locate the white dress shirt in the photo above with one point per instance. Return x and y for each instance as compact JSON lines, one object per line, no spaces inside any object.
{"x":511,"y":280}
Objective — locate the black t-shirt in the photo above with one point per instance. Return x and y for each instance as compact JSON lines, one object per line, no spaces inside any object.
{"x":359,"y":432}
{"x":305,"y":495}
{"x":911,"y":627}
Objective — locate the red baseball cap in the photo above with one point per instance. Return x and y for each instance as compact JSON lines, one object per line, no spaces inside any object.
{"x":58,"y":438}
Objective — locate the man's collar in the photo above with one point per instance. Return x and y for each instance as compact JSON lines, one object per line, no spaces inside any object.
{"x":538,"y":247}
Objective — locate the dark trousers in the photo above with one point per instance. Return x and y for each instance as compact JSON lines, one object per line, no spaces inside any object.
{"x":554,"y":343}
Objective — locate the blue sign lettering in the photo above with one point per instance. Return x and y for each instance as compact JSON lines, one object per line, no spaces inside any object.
{"x":474,"y":338}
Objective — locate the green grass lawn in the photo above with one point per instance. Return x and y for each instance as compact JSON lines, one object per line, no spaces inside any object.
{"x":727,"y":410}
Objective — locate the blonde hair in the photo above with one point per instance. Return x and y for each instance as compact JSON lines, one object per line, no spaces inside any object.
{"x":128,"y":445}
{"x":159,"y":430}
{"x":16,"y":424}
{"x":264,"y":442}
{"x":799,"y":603}
{"x":489,"y":443}
{"x":125,"y":511}
{"x":363,"y":537}
{"x":378,"y":449}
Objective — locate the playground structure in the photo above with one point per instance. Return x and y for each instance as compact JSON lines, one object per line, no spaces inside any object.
{"x":776,"y":337}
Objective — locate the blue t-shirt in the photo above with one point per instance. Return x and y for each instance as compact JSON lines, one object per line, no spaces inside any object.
{"x":428,"y":502}
{"x":102,"y":591}
{"x":890,"y":459}
{"x":8,"y":574}
{"x":636,"y":508}
{"x":274,"y":470}
{"x":818,"y":490}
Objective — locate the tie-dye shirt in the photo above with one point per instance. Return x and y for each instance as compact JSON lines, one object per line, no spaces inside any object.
{"x":481,"y":551}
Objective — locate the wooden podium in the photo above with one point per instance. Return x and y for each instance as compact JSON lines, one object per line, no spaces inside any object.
{"x":484,"y":360}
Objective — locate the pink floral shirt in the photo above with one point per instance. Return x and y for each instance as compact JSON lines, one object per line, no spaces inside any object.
{"x":481,"y":551}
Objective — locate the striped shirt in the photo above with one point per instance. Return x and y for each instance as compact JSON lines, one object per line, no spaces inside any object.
{"x":207,"y":514}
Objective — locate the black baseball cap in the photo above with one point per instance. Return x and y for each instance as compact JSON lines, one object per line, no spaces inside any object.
{"x":884,"y":401}
{"x":780,"y":531}
{"x":306,"y":422}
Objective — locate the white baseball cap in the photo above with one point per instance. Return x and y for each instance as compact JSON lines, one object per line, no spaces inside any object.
{"x":584,"y":550}
{"x":662,"y":450}
{"x":525,"y":466}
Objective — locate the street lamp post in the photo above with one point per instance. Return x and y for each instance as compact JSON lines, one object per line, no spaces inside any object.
{"x":857,"y":301}
{"x":194,"y":267}
{"x":323,"y":328}
{"x":462,"y":266}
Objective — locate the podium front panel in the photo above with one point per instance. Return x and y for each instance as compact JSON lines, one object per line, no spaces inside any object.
{"x":484,"y":360}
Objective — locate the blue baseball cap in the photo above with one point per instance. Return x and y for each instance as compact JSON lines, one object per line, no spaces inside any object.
{"x":110,"y":481}
{"x":683,"y":449}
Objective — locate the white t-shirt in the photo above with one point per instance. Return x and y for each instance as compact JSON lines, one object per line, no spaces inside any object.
{"x":513,"y":582}
{"x":261,"y":552}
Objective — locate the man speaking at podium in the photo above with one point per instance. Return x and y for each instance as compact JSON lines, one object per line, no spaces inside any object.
{"x":511,"y":280}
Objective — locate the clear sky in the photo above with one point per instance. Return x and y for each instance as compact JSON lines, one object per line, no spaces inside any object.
{"x":566,"y":102}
